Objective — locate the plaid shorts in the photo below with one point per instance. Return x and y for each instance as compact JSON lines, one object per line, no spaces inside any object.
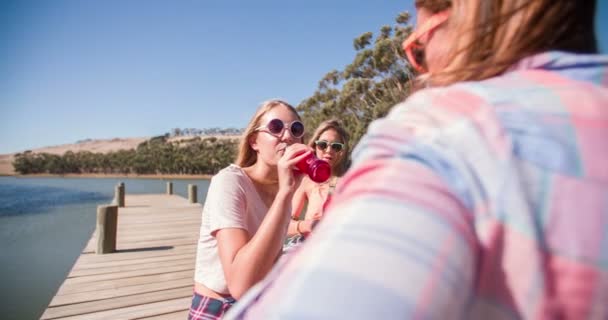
{"x":205,"y":308}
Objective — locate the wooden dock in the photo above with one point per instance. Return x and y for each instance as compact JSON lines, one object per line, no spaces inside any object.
{"x":151,"y":274}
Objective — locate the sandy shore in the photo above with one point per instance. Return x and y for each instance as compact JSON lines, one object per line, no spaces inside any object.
{"x":6,"y":165}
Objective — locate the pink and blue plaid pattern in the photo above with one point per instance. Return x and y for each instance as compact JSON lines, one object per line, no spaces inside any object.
{"x":206,"y":308}
{"x":482,"y":200}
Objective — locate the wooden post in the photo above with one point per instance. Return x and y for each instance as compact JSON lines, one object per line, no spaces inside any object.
{"x":169,"y":187}
{"x":107,"y":222}
{"x":192,"y":196}
{"x":119,"y":195}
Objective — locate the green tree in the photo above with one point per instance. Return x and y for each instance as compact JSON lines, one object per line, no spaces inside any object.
{"x":377,"y":79}
{"x":23,"y":163}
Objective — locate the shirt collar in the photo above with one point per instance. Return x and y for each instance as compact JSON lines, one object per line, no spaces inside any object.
{"x":584,"y":67}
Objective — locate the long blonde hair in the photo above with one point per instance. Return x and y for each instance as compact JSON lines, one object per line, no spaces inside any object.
{"x":246,"y":155}
{"x":490,"y":36}
{"x":340,"y":166}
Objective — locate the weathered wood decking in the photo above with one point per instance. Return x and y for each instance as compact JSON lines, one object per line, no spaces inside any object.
{"x":151,"y":275}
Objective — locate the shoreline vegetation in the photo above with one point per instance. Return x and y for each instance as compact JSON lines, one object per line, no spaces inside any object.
{"x":114,"y":175}
{"x":195,"y":157}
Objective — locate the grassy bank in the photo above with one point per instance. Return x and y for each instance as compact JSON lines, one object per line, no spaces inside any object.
{"x":101,"y":175}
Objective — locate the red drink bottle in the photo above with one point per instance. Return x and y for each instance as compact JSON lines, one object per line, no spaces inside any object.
{"x":317,"y":169}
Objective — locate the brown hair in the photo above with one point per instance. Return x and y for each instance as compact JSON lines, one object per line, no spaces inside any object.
{"x":340,"y":166}
{"x":490,"y":36}
{"x":246,"y":155}
{"x":433,"y":5}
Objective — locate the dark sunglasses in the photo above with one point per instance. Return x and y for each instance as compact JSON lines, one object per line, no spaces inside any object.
{"x":276,"y":127}
{"x":322,"y":145}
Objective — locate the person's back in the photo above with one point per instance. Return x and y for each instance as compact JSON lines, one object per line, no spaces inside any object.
{"x":544,"y":247}
{"x":484,"y":196}
{"x":523,"y":155}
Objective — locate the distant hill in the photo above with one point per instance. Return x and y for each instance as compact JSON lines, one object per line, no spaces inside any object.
{"x":92,"y":145}
{"x":6,"y":164}
{"x":216,"y":132}
{"x":108,"y":145}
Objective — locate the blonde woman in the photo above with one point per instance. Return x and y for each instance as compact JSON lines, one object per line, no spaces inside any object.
{"x":330,"y":142}
{"x":247,"y":210}
{"x":484,"y":194}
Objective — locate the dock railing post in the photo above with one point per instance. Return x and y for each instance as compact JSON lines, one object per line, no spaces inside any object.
{"x":119,"y":195}
{"x":107,"y":222}
{"x":192,"y":196}
{"x":169,"y":187}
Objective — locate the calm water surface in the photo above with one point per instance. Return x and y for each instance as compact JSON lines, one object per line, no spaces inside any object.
{"x":44,"y":225}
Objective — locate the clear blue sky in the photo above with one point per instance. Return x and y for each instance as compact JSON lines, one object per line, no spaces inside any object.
{"x":74,"y":69}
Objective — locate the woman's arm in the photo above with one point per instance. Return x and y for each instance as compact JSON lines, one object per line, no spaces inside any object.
{"x":299,"y":199}
{"x":245,"y":258}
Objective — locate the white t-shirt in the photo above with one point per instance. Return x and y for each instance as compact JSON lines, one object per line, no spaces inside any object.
{"x":232,"y":202}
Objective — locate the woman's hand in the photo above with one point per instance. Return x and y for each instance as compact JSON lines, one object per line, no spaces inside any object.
{"x":306,"y":226}
{"x":288,"y":179}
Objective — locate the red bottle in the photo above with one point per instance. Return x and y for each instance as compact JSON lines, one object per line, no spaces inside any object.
{"x":317,"y":169}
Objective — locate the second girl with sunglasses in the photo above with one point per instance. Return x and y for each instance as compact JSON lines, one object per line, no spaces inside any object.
{"x":247,"y":210}
{"x":329,"y":141}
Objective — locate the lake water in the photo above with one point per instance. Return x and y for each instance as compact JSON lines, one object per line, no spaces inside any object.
{"x":45,"y":224}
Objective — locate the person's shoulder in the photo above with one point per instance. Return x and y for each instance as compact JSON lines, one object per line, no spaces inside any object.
{"x":429,"y":112}
{"x":433,"y":116}
{"x":231,"y":173}
{"x":459,"y":98}
{"x":231,"y":169}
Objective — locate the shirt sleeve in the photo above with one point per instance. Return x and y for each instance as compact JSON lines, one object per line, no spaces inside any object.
{"x":398,"y":240}
{"x":226,"y":203}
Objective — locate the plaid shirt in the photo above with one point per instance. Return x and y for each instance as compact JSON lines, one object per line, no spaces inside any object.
{"x":481,"y":200}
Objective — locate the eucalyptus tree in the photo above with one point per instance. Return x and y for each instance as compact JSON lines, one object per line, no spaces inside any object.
{"x":377,"y":78}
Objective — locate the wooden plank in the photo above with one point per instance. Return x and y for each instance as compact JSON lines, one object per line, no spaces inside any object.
{"x":128,"y":274}
{"x":151,"y":274}
{"x":94,"y":265}
{"x":155,"y":265}
{"x":168,"y":231}
{"x":146,"y":218}
{"x":70,"y":288}
{"x":117,"y":303}
{"x":180,"y":315}
{"x":92,"y":258}
{"x":152,"y":225}
{"x":139,"y":311}
{"x":118,"y":292}
{"x":157,"y":237}
{"x":140,"y":245}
